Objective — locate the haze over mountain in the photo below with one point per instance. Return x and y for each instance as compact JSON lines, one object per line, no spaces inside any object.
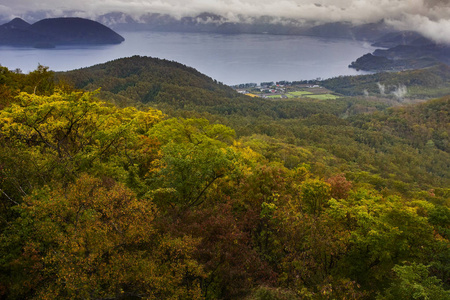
{"x":406,"y":50}
{"x":428,"y":17}
{"x":416,"y":31}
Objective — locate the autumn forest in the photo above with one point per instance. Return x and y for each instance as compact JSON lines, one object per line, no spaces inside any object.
{"x":145,"y":179}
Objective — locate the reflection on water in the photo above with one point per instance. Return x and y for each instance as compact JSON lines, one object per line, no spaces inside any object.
{"x":230,"y":59}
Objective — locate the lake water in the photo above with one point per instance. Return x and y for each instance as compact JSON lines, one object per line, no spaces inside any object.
{"x":231,"y":59}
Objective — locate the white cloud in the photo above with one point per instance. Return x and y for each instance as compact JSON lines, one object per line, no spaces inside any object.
{"x":430,"y":17}
{"x":437,"y":30}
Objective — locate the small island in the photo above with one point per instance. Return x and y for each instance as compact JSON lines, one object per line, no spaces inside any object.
{"x":49,"y":33}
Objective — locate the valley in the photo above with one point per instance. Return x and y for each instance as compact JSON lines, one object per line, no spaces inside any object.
{"x":141,"y":171}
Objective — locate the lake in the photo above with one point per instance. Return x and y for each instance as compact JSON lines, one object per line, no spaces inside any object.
{"x":231,"y":59}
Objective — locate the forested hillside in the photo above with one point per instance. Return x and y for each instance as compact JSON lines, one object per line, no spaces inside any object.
{"x":420,"y":83}
{"x":167,"y":185}
{"x":331,"y":136}
{"x":150,"y":80}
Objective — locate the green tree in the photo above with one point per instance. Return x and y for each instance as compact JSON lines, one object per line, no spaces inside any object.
{"x":384,"y":231}
{"x":195,"y":155}
{"x":315,"y":195}
{"x":414,"y":282}
{"x":40,"y":81}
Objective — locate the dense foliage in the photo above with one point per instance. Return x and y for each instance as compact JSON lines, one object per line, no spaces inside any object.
{"x":299,"y":199}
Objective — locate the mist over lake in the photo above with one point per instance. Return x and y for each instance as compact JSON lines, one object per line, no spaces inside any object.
{"x":230,"y":59}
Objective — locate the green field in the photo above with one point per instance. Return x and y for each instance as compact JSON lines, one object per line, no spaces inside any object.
{"x":298,"y":94}
{"x":302,"y":94}
{"x":324,"y":96}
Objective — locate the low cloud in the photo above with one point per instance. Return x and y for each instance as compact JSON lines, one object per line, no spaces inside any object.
{"x":437,"y":30}
{"x":429,"y":17}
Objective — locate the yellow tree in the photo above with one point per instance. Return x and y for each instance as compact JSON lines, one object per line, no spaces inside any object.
{"x":57,"y":137}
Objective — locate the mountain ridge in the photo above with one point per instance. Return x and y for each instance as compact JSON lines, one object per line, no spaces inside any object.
{"x":49,"y":33}
{"x":214,"y":23}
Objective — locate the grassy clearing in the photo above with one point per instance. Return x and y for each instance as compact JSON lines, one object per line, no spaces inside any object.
{"x":298,"y":94}
{"x":324,"y":96}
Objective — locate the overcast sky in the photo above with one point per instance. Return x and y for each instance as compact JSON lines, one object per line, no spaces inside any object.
{"x":429,"y":17}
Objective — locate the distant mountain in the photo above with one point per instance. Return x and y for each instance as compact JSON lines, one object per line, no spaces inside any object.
{"x":16,"y":23}
{"x":436,"y":52}
{"x":204,"y":22}
{"x":346,"y":30}
{"x":394,"y":39}
{"x":49,"y":33}
{"x":406,"y":50}
{"x":213,"y":23}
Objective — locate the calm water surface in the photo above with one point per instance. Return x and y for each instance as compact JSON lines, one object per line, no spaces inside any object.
{"x":230,"y":59}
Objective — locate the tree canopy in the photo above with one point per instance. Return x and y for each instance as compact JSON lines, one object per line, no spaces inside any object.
{"x":313,"y":200}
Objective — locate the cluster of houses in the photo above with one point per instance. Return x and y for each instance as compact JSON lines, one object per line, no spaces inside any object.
{"x":268,"y":89}
{"x":263,"y":90}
